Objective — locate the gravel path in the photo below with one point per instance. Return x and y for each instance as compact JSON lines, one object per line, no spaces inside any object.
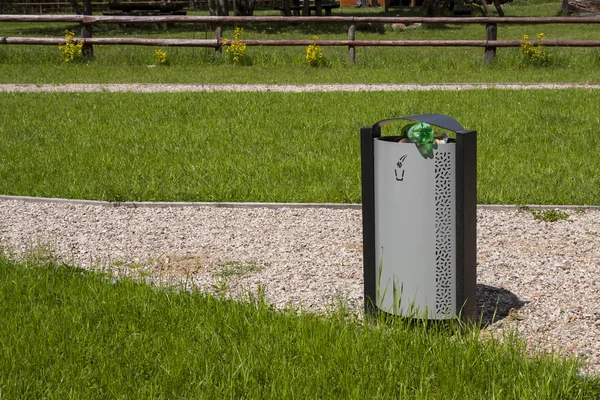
{"x":156,"y":87}
{"x":545,"y":276}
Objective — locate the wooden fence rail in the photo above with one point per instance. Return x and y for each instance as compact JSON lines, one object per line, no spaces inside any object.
{"x":490,"y":44}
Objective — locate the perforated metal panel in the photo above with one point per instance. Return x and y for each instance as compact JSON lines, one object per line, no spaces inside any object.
{"x":445,"y":235}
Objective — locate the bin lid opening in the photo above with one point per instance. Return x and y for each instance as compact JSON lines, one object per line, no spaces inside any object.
{"x":441,"y":121}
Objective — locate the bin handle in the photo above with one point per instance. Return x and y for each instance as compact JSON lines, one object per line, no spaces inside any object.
{"x":441,"y":121}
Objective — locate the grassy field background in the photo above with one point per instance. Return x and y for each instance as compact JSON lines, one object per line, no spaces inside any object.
{"x":535,"y":147}
{"x":118,"y":64}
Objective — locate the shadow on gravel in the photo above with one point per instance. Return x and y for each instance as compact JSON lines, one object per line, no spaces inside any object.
{"x":495,"y":304}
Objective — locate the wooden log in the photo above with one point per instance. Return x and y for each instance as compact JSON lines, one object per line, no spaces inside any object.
{"x":56,"y":3}
{"x":385,"y":43}
{"x":350,"y":43}
{"x":372,"y":43}
{"x":359,"y":20}
{"x":40,"y":18}
{"x":114,"y":41}
{"x":423,"y":20}
{"x":351,"y":48}
{"x":420,"y":43}
{"x":491,"y":34}
{"x":325,"y":43}
{"x":280,"y":19}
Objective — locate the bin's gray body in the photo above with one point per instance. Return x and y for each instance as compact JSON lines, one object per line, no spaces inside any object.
{"x":419,"y":223}
{"x":415,"y":229}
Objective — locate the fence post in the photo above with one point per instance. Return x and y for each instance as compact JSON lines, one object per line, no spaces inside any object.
{"x":218,"y":30}
{"x":87,"y":50}
{"x":351,"y":48}
{"x":491,"y":33}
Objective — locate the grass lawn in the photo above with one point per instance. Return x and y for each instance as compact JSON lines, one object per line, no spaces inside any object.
{"x":68,"y":333}
{"x":535,"y":147}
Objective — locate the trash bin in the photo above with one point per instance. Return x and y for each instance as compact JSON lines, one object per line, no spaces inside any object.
{"x":419,"y":222}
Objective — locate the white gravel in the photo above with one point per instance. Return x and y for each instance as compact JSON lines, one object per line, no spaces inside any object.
{"x":546,"y":276}
{"x":157,"y":87}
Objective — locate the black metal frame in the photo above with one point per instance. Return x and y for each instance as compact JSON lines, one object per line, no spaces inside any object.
{"x":466,"y":224}
{"x":466,"y":211}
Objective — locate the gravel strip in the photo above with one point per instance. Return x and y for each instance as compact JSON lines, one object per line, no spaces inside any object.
{"x":545,"y":276}
{"x":162,"y":88}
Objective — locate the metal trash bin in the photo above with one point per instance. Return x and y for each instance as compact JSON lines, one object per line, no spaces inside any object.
{"x":419,"y":222}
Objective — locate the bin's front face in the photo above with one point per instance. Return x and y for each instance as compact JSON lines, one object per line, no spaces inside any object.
{"x":415,"y":229}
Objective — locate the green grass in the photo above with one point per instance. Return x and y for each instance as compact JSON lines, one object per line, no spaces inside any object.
{"x":67,"y":333}
{"x":235,"y":268}
{"x":535,"y":147}
{"x":549,"y":215}
{"x":117,"y":64}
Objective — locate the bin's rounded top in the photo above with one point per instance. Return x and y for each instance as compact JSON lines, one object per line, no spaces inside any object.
{"x":441,"y":121}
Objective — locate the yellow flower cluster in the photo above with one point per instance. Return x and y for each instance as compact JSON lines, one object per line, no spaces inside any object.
{"x":161,"y":57}
{"x":71,"y":50}
{"x":236,"y":49}
{"x":535,"y":53}
{"x":314,"y":54}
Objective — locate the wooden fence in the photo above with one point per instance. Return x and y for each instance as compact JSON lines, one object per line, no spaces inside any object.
{"x":490,"y":44}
